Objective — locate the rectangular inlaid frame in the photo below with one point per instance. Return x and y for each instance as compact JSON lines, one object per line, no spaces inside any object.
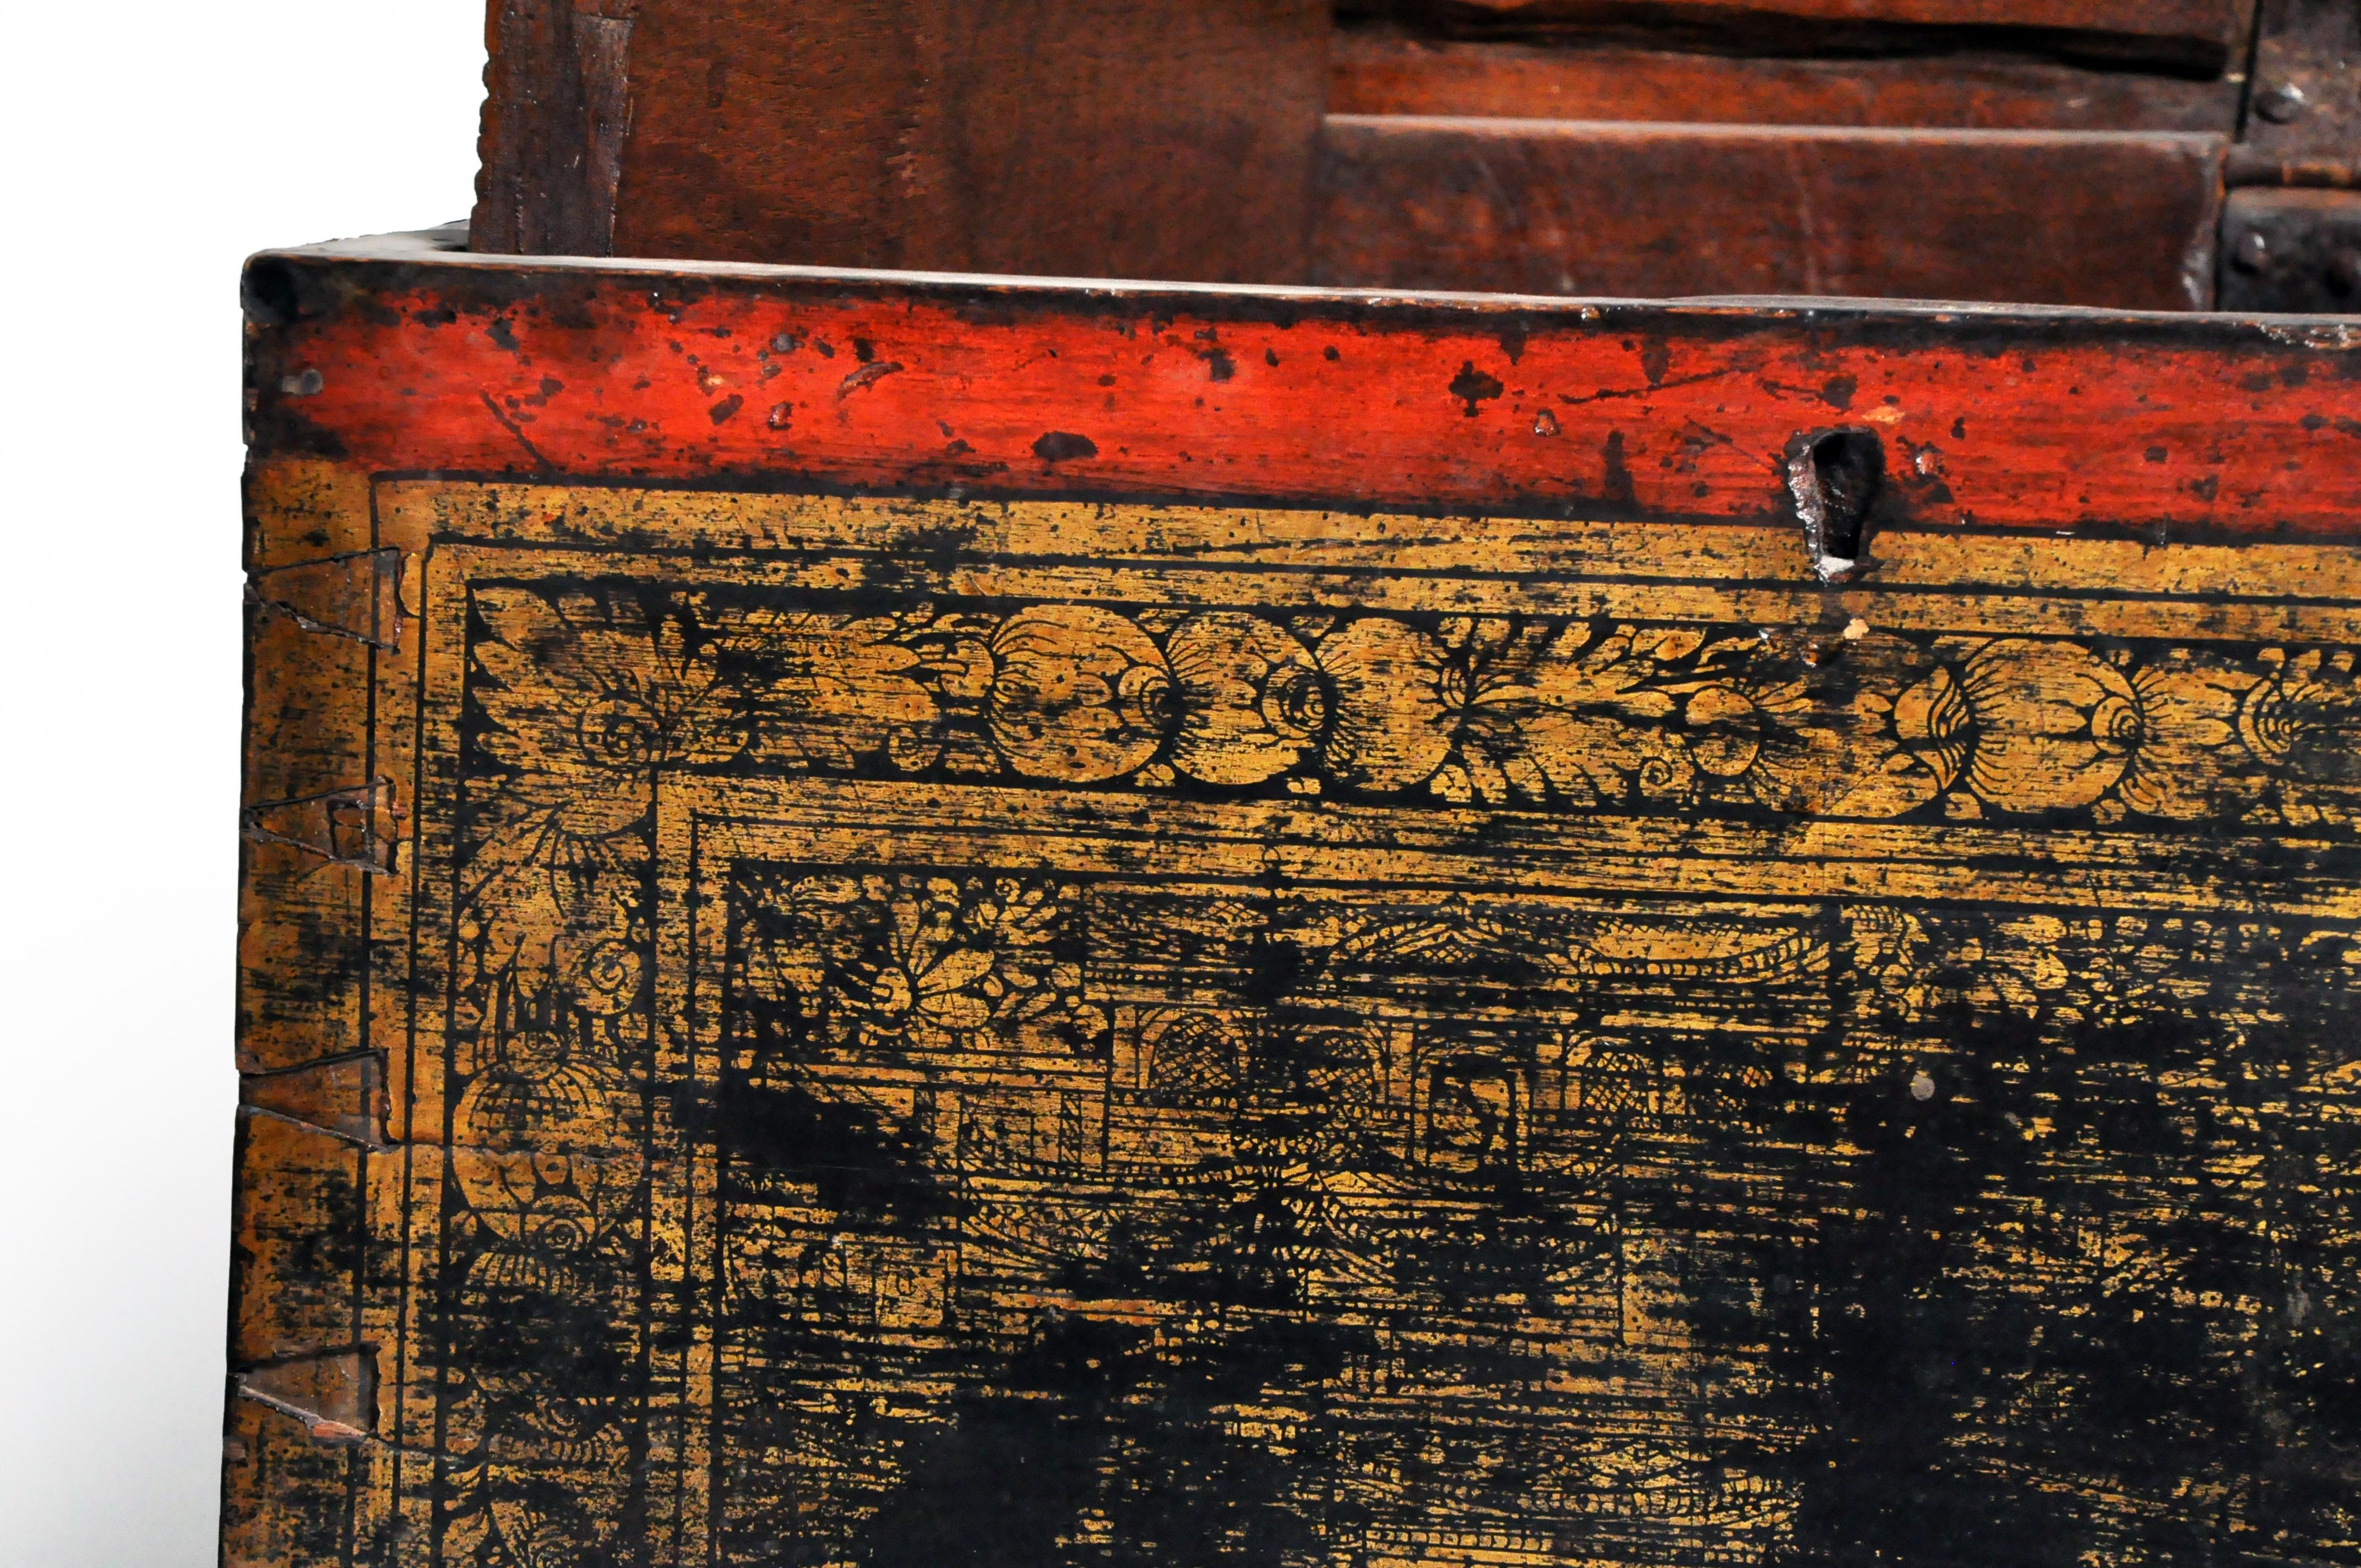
{"x":2204,"y":657}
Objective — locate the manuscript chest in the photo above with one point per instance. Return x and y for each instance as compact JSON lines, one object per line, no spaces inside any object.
{"x":899,"y":919}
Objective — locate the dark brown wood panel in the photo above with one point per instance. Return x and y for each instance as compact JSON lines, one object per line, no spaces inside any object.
{"x":2291,"y":249}
{"x":2305,"y":127}
{"x":1571,"y":207}
{"x":2132,"y":16}
{"x":1387,"y":70}
{"x":1062,"y":136}
{"x":556,"y":105}
{"x":2194,"y":31}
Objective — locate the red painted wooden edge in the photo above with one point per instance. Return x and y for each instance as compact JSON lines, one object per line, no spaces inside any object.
{"x":400,"y":356}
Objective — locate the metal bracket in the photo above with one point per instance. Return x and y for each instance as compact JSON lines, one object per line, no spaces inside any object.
{"x":357,"y":596}
{"x":344,"y":1097}
{"x":334,"y":1395}
{"x":2291,"y":250}
{"x":358,"y":826}
{"x":2291,"y":236}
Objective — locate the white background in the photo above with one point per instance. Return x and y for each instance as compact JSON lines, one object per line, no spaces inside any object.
{"x":148,"y":147}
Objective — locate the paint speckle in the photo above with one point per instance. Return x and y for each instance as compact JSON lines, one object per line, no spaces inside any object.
{"x":1059,"y":445}
{"x":1655,"y":360}
{"x":867,"y":376}
{"x":1616,"y":484}
{"x":306,"y":383}
{"x":1921,"y":1086}
{"x":1472,"y":387}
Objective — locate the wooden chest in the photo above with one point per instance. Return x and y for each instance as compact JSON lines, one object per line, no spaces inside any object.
{"x":894,"y":920}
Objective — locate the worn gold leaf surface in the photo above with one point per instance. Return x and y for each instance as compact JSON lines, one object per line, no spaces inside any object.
{"x":1063,"y":1034}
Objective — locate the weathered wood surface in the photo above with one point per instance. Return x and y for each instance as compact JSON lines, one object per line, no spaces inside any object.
{"x":2304,"y":124}
{"x":1635,"y":210}
{"x":1066,"y":138}
{"x":1393,"y":70}
{"x":2157,"y":428}
{"x":2295,"y":248}
{"x":1184,"y":141}
{"x":1327,"y":944}
{"x":2199,"y":34}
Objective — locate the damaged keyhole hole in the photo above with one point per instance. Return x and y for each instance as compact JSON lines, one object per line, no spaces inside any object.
{"x":1835,"y":477}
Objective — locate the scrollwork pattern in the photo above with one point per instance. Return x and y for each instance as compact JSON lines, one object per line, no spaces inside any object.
{"x":583,"y":698}
{"x":1509,"y":712}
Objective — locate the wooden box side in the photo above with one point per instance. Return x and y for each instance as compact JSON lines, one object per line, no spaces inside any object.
{"x":418,"y":416}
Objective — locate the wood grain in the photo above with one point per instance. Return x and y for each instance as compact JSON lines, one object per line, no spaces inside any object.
{"x":2305,"y":124}
{"x":556,"y":105}
{"x":2203,"y":34}
{"x":1627,"y":210}
{"x":2023,"y":418}
{"x":1384,"y":71}
{"x":1081,"y":137}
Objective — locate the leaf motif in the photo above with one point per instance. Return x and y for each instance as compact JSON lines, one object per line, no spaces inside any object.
{"x":956,"y":971}
{"x":957,"y":1011}
{"x":1667,"y":644}
{"x":832,"y":689}
{"x":1392,"y":727}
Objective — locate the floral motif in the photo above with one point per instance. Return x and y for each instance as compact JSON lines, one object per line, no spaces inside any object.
{"x":2058,"y":727}
{"x":942,"y":963}
{"x":1397,"y":703}
{"x":2302,"y":718}
{"x":1603,"y":722}
{"x":1079,"y":694}
{"x":543,"y":1160}
{"x":1509,"y":711}
{"x":928,"y":981}
{"x":589,"y":697}
{"x":1674,"y":716}
{"x":2055,"y":725}
{"x":2188,"y":713}
{"x":1253,"y":702}
{"x":2102,"y":971}
{"x":1933,"y":723}
{"x":1878,"y":736}
{"x":582,"y":702}
{"x":835,"y":689}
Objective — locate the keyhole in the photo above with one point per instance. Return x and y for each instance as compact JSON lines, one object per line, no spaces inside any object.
{"x":1835,"y":477}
